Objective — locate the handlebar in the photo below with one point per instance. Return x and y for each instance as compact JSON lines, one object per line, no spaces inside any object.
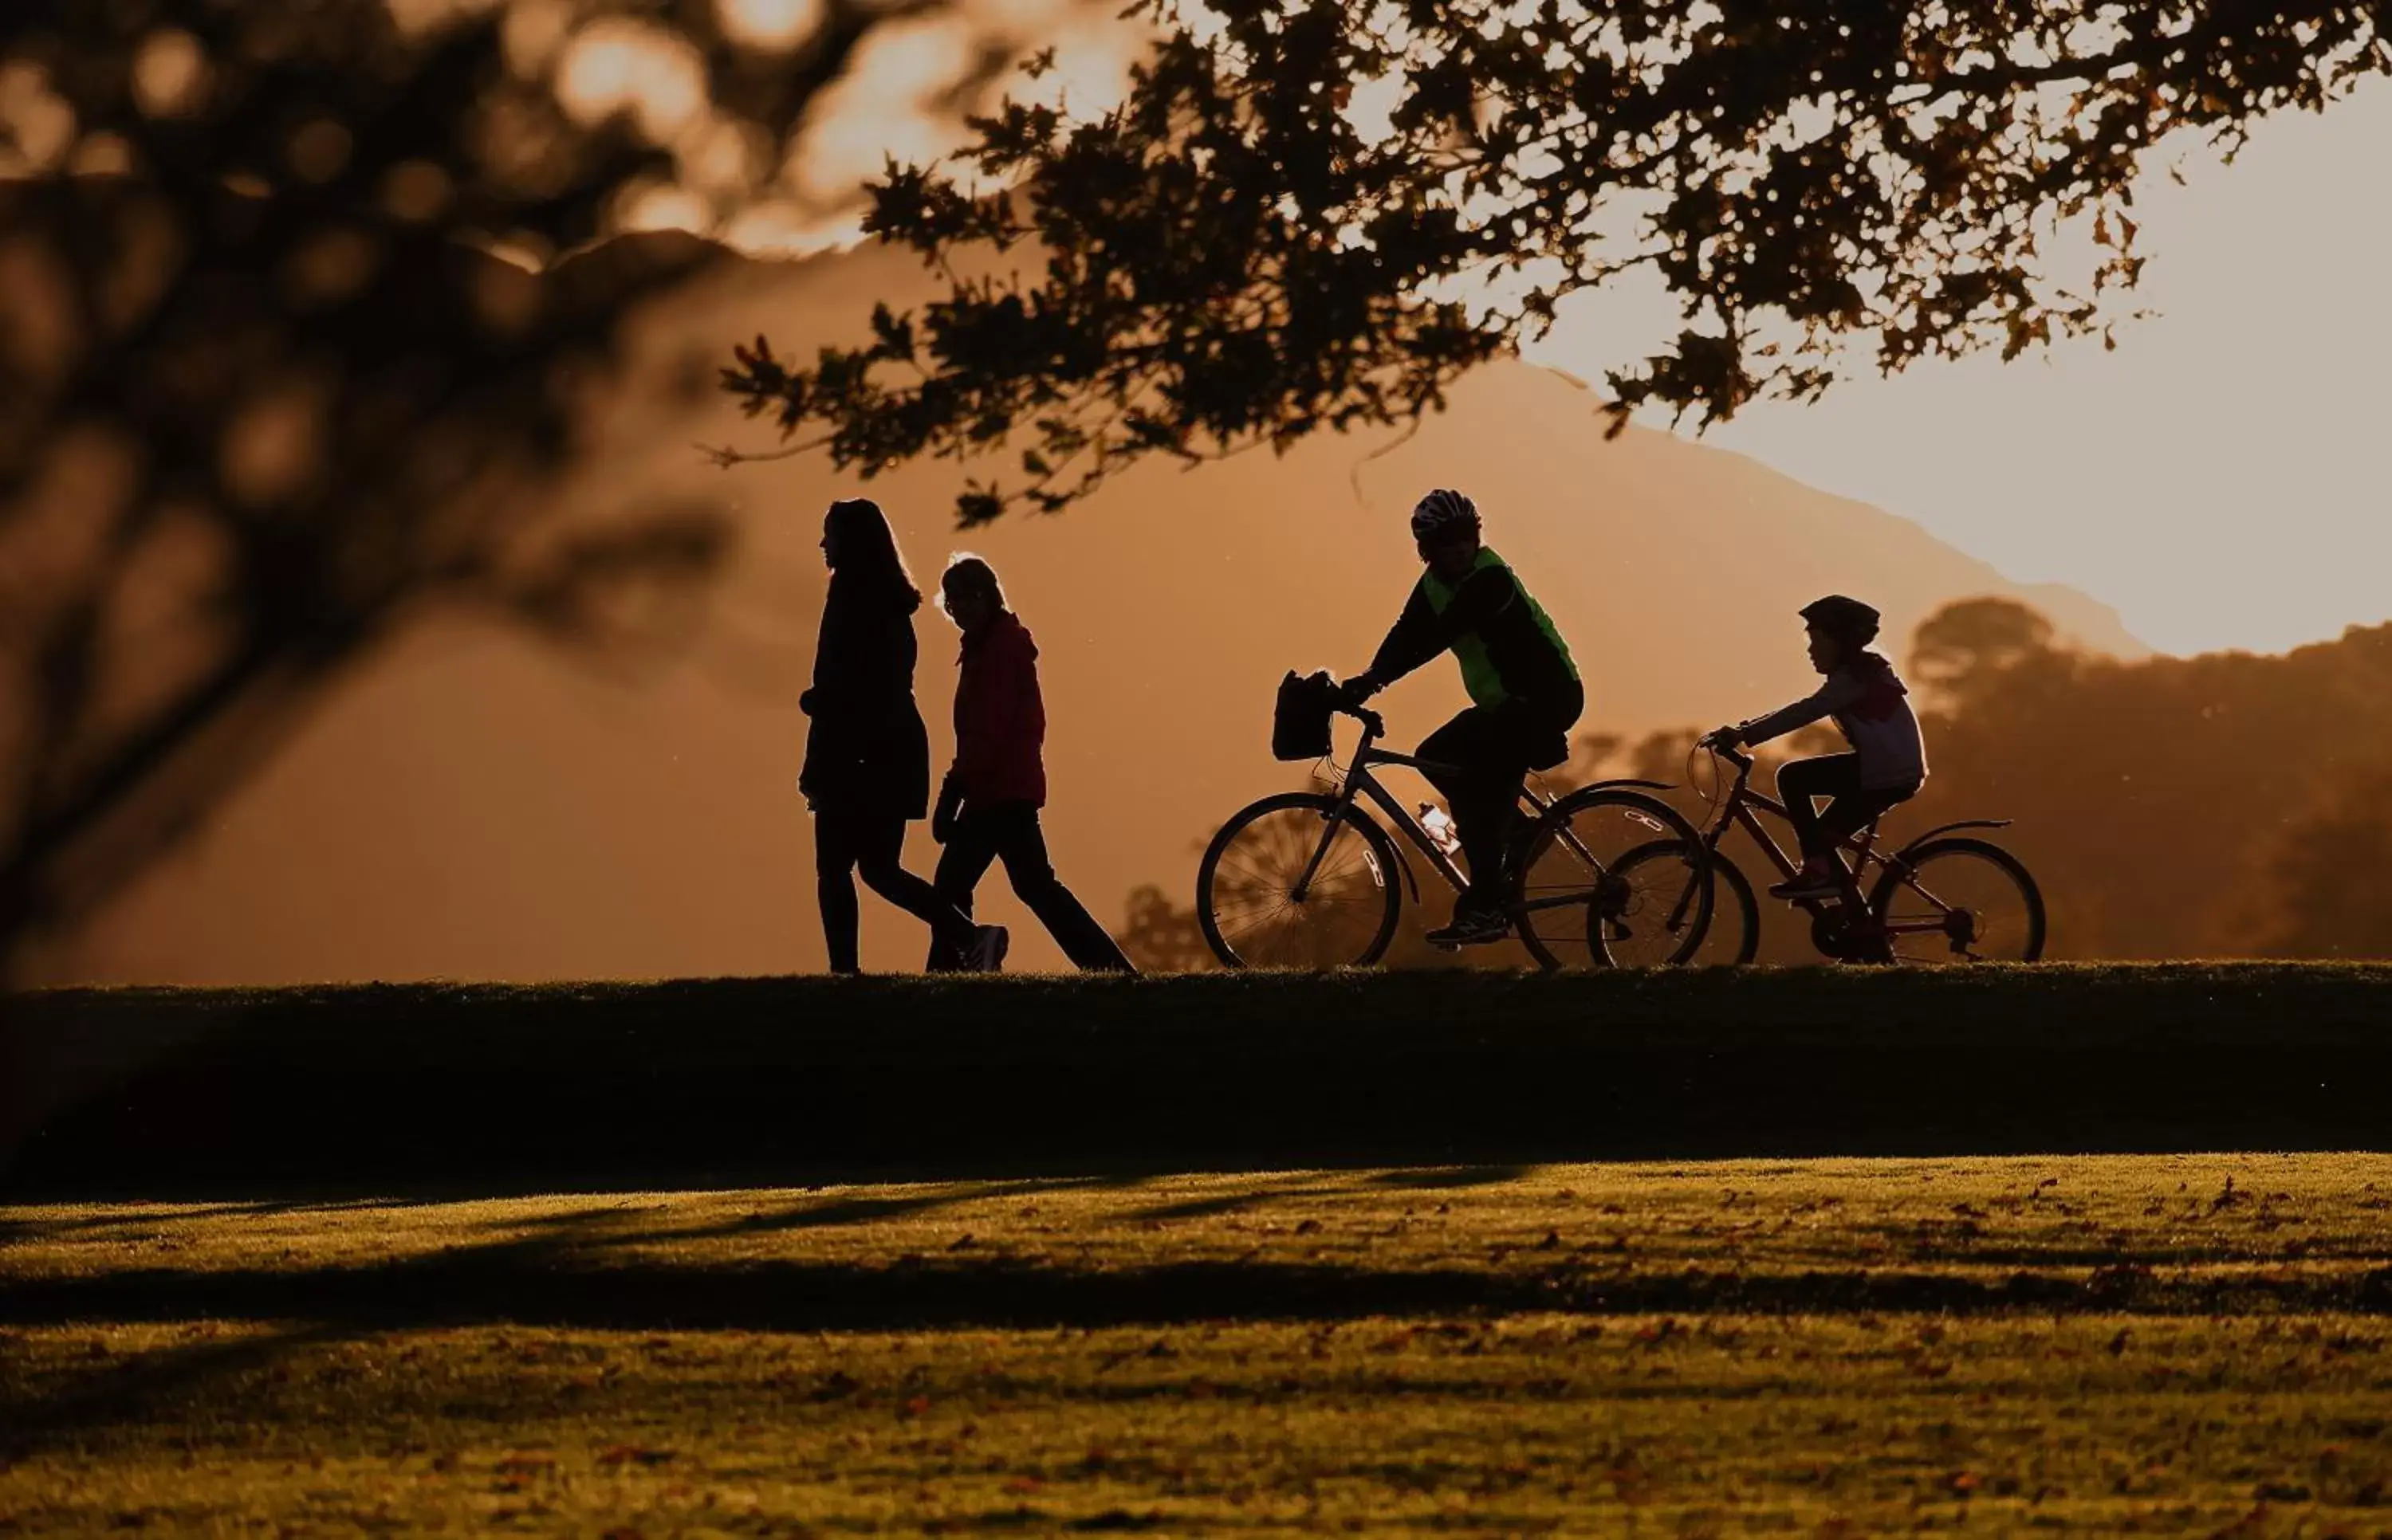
{"x":1373,"y":723}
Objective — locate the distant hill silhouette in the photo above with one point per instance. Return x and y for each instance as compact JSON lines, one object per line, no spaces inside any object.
{"x":472,"y":806}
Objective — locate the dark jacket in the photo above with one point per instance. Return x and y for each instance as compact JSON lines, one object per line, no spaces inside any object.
{"x":1508,"y":649}
{"x":866,"y":751}
{"x":1000,"y":718}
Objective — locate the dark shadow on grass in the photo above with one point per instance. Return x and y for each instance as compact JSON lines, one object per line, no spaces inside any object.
{"x":141,"y":1388}
{"x":533,"y":1282}
{"x":1231,"y":1203}
{"x":1434,"y":1177}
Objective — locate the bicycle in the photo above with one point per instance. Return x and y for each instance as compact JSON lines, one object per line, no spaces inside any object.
{"x":1312,"y":879}
{"x":1943,"y":898}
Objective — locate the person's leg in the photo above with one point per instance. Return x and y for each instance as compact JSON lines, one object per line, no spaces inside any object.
{"x":1478,"y":774}
{"x":834,"y":889}
{"x":1022,"y":844}
{"x":1852,"y":810}
{"x":1800,"y":785}
{"x":962,"y":862}
{"x":879,"y":860}
{"x":1800,"y":782}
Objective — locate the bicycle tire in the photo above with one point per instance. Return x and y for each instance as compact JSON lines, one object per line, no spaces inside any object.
{"x":1538,"y":890}
{"x":1733,"y":938}
{"x":1384,"y":870}
{"x":2032,"y":915}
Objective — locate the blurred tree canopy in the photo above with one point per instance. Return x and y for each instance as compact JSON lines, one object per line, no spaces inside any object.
{"x":1315,"y":213}
{"x":280,"y":368}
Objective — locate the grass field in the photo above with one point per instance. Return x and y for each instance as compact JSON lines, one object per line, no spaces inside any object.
{"x":2191,"y":1344}
{"x":472,"y":1089}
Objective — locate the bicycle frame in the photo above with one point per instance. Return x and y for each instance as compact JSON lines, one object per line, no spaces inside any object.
{"x":1737,"y":811}
{"x":1360,"y":783}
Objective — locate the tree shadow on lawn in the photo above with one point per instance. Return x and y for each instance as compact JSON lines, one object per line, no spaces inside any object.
{"x":133,"y":1389}
{"x":536,"y":1282}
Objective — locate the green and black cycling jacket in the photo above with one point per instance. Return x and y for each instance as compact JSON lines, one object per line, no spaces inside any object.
{"x":1502,"y":638}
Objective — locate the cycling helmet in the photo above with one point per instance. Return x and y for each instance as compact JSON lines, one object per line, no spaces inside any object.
{"x":1847,"y":619}
{"x":1441,"y":512}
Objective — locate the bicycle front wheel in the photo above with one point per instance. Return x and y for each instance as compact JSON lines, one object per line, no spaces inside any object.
{"x":1298,"y":881}
{"x":1960,"y":901}
{"x":1612,"y":878}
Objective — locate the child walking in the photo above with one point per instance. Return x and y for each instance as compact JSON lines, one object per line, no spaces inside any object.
{"x":988,"y":805}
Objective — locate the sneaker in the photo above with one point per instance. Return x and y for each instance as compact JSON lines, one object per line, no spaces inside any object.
{"x":1471,"y":928}
{"x":1806,"y":885}
{"x":988,"y":948}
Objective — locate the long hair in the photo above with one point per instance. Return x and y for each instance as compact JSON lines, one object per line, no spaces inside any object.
{"x":969,"y":574}
{"x":868,"y":557}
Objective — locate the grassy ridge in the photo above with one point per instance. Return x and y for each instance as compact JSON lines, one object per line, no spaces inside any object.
{"x":2153,"y":1344}
{"x":486,"y":1088}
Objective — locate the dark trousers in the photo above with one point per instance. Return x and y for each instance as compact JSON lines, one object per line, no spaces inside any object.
{"x":873,"y":842}
{"x":1482,"y":756}
{"x":1835,"y":776}
{"x":1009,"y":832}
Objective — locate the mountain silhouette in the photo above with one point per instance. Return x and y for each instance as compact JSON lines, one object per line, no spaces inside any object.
{"x":470,"y":804}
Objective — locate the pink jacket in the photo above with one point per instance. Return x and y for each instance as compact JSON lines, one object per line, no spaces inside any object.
{"x":1000,"y":718}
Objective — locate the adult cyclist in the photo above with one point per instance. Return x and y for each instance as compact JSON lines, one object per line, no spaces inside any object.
{"x":1524,"y":690}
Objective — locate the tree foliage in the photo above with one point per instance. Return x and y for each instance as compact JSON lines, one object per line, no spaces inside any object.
{"x":1313,"y":213}
{"x":265,"y":392}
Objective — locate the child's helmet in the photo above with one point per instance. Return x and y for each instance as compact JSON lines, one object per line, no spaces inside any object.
{"x":1845,"y":619}
{"x":1442,"y":513}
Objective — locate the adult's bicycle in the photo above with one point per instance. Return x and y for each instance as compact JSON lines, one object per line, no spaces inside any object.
{"x":1945,"y":897}
{"x":1606,"y":875}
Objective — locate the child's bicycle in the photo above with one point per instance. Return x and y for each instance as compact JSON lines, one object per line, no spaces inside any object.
{"x":1606,"y":876}
{"x":1943,"y":898}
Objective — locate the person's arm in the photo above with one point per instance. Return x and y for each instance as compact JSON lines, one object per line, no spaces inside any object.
{"x":834,"y":661}
{"x":1029,"y":702}
{"x":1839,"y":691}
{"x":1420,"y":633}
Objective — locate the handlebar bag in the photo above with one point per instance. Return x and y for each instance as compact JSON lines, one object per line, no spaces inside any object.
{"x":1300,"y":724}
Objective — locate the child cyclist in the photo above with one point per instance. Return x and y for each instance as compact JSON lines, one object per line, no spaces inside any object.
{"x":1885,"y":767}
{"x":1524,"y":690}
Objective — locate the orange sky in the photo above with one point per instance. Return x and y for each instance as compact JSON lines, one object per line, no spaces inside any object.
{"x":2219,"y":477}
{"x":2214,"y":478}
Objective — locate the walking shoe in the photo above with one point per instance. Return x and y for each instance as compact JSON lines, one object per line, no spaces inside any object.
{"x":988,"y":948}
{"x":1806,"y":885}
{"x":1471,"y":927}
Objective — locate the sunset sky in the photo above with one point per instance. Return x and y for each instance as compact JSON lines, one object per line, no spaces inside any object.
{"x":2214,"y":478}
{"x":2220,"y":477}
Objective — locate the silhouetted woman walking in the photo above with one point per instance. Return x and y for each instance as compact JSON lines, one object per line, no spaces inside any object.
{"x":867,"y":771}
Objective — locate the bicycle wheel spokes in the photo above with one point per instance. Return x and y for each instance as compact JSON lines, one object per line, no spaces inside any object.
{"x":1263,"y":912}
{"x":1612,"y":880}
{"x":1963,"y":902}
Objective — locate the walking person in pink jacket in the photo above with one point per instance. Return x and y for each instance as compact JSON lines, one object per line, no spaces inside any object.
{"x":988,"y":806}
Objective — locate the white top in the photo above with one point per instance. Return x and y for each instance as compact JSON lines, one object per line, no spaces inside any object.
{"x":1872,"y":710}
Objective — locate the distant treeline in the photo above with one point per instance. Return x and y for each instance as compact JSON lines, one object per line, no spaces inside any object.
{"x":2230,"y":805}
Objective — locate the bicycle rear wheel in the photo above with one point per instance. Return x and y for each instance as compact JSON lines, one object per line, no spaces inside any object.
{"x":1611,"y":877}
{"x":1960,"y":901}
{"x":1257,"y":908}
